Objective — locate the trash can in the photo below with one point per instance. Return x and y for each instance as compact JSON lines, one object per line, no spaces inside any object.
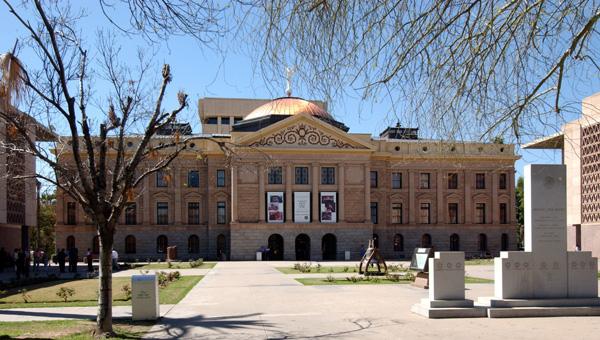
{"x":144,"y":297}
{"x":347,"y":255}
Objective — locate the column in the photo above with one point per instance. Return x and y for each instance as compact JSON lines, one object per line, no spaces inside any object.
{"x":261,"y":193}
{"x":315,"y":193}
{"x":440,"y":197}
{"x":341,"y":186}
{"x":468,"y":209}
{"x":411,"y":198}
{"x":367,"y":193}
{"x":234,"y":200}
{"x":288,"y":194}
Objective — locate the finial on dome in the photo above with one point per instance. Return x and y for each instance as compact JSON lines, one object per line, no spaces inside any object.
{"x":289,"y":71}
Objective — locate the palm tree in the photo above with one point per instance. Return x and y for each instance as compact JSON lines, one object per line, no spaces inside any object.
{"x":12,"y":82}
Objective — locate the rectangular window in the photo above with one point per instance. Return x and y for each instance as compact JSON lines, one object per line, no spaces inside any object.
{"x":452,"y":180}
{"x":301,"y":175}
{"x":328,"y":175}
{"x":425,"y":180}
{"x":502,"y":182}
{"x":220,"y":178}
{"x":503,"y":213}
{"x":161,"y":179}
{"x":480,"y":213}
{"x":479,"y":181}
{"x":130,"y":214}
{"x":453,"y":213}
{"x":425,"y":216}
{"x":193,"y":213}
{"x":396,"y":180}
{"x":374,"y":212}
{"x":71,"y":217}
{"x":221,"y":213}
{"x":397,"y":213}
{"x":276,"y":175}
{"x":373,"y":179}
{"x":193,"y":179}
{"x":162,"y":213}
{"x":224,"y":121}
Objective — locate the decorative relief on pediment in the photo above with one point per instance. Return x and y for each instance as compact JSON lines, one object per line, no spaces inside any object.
{"x":303,"y":135}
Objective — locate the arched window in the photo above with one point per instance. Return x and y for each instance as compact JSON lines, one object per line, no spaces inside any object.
{"x":398,"y":242}
{"x":70,"y":242}
{"x":96,"y":245}
{"x":504,"y":242}
{"x":426,"y":241}
{"x":193,"y":244}
{"x":376,"y":240}
{"x":454,"y":242}
{"x":483,"y":243}
{"x":161,"y":244}
{"x":130,"y":244}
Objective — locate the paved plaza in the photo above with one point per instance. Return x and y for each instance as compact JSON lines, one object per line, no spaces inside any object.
{"x":252,"y":300}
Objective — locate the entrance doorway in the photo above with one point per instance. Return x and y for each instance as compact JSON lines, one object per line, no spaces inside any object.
{"x":275,"y":247}
{"x":221,"y":247}
{"x":302,"y":247}
{"x":329,"y":247}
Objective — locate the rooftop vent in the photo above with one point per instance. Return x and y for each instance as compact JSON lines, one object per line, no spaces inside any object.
{"x":170,"y":129}
{"x":398,"y":132}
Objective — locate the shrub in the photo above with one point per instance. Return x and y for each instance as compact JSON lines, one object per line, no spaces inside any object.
{"x":169,"y":264}
{"x":303,"y":267}
{"x":409,"y":276}
{"x":331,"y":269}
{"x":346,"y":269}
{"x":163,"y":280}
{"x":393,"y":277}
{"x":26,"y":297}
{"x":65,"y":293}
{"x":126,"y":288}
{"x":318,"y":267}
{"x":330,"y":278}
{"x":354,"y":279}
{"x":196,"y":263}
{"x":173,"y":276}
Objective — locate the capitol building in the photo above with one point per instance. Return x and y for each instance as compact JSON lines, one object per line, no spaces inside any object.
{"x":284,"y":174}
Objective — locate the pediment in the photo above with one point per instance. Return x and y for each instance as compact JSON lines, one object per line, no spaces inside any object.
{"x":304,"y":132}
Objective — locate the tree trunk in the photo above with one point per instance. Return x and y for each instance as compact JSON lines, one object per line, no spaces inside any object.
{"x":104,"y":319}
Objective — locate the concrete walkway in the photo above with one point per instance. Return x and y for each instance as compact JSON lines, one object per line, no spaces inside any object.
{"x":252,"y":300}
{"x":64,"y":313}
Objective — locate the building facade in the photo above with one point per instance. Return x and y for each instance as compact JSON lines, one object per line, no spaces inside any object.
{"x":579,"y":143}
{"x":295,"y":181}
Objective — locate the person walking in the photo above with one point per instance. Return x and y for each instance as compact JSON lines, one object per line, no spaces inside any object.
{"x":3,"y":259}
{"x":61,"y":260}
{"x":115,"y":260}
{"x":89,"y":258}
{"x":20,"y":263}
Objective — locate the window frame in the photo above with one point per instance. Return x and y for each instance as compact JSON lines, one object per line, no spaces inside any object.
{"x":71,"y":213}
{"x":373,"y":178}
{"x":328,"y":175}
{"x":425,"y":177}
{"x":301,"y":175}
{"x":480,"y":211}
{"x":220,"y":178}
{"x":161,"y":179}
{"x":502,"y":181}
{"x":374,"y":217}
{"x":193,"y":182}
{"x":129,"y":215}
{"x":162,"y":207}
{"x":452,"y":206}
{"x":452,"y":180}
{"x":396,"y":179}
{"x":275,"y":175}
{"x":193,"y":218}
{"x":221,"y":206}
{"x":503,"y":211}
{"x":480,"y":181}
{"x":425,"y":206}
{"x":397,"y":207}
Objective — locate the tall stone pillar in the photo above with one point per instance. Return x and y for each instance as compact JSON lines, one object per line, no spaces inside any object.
{"x":288,"y":193}
{"x":411,"y":198}
{"x":367,"y":193}
{"x":315,"y":193}
{"x":341,"y":187}
{"x":234,"y":198}
{"x":261,"y":193}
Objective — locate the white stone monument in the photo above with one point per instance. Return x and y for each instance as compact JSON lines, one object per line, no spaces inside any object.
{"x":144,"y":297}
{"x":447,"y":289}
{"x":545,"y":275}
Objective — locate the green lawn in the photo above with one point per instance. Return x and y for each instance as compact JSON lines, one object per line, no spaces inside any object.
{"x":174,"y":265}
{"x":323,"y":270}
{"x":372,"y":281}
{"x":70,"y":329}
{"x":44,"y":295}
{"x":479,"y":262}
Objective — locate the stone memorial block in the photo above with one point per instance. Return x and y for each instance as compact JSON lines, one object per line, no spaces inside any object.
{"x":447,"y":276}
{"x":513,"y":275}
{"x":582,"y":274}
{"x":144,"y":297}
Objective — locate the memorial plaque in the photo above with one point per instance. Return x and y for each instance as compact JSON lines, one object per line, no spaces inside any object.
{"x":144,"y":297}
{"x":419,"y":259}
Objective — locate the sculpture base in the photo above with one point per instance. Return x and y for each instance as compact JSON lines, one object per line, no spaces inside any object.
{"x":421,"y":280}
{"x":445,"y":309}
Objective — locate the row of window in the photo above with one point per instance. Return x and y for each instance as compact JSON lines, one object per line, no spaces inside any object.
{"x":425,"y":213}
{"x":425,"y":180}
{"x":454,"y":242}
{"x":162,"y":243}
{"x":193,"y":179}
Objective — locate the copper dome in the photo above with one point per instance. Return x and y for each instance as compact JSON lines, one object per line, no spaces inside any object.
{"x":288,"y":106}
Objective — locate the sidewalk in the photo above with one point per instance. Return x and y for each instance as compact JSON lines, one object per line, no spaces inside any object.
{"x":65,"y":313}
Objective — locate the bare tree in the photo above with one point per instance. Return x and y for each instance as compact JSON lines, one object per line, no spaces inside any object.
{"x":463,"y":68}
{"x":99,"y":171}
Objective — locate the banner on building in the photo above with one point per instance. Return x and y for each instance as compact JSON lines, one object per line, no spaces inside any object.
{"x":328,"y":207}
{"x":275,"y":207}
{"x":301,"y":207}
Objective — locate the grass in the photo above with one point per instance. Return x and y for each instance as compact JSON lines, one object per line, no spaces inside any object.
{"x":373,"y":281}
{"x":70,"y":329}
{"x":324,"y":270}
{"x":479,"y":262}
{"x":44,"y":295}
{"x":174,"y":265}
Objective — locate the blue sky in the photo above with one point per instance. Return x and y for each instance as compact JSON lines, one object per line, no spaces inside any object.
{"x":204,"y":72}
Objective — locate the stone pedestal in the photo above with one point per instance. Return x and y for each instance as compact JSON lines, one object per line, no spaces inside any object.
{"x":447,"y":289}
{"x":144,"y":297}
{"x":545,"y":275}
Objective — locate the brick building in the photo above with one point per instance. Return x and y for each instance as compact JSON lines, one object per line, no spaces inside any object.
{"x":300,"y":184}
